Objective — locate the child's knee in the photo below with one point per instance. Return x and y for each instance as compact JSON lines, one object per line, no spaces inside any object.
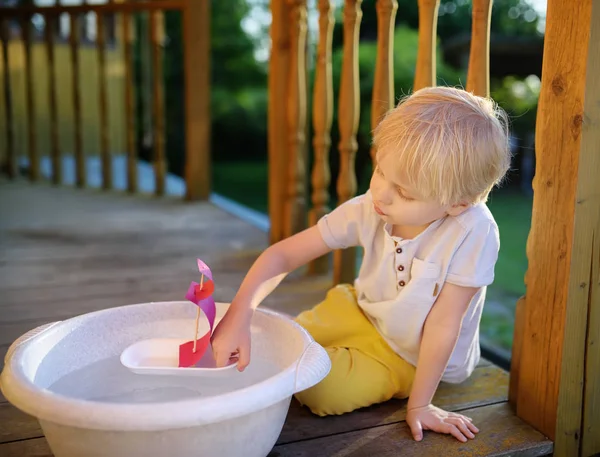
{"x":354,"y":381}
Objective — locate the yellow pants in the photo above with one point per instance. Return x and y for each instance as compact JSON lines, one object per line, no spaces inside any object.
{"x":364,"y":368}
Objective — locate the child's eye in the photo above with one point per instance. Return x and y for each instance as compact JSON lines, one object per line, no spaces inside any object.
{"x":404,"y":197}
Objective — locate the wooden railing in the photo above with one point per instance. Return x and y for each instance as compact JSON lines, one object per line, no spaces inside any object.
{"x":288,"y":94}
{"x":195,"y":17}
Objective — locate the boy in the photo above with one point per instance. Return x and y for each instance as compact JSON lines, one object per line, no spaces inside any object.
{"x":430,"y":246}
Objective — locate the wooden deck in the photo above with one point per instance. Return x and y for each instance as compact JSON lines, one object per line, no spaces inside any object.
{"x":65,"y":252}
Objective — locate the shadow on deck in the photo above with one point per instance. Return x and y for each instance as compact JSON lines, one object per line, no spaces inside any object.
{"x":65,"y":252}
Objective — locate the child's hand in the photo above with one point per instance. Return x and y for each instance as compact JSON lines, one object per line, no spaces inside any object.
{"x":433,"y":418}
{"x":231,"y":338}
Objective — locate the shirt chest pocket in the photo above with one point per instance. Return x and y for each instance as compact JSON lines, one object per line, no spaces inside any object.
{"x":424,"y":284}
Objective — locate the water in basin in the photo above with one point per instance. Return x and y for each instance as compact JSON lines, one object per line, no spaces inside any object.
{"x":109,"y":381}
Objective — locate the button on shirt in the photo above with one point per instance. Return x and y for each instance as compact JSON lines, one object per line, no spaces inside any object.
{"x":400,"y":279}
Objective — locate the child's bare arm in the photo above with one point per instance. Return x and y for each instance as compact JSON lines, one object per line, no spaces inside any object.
{"x":233,"y":332}
{"x":440,"y":334}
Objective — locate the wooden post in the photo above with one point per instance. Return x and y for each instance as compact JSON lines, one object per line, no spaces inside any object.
{"x":157,"y":38}
{"x":295,"y":204}
{"x":478,"y":77}
{"x":197,"y":105}
{"x":559,"y":363}
{"x":277,"y":125}
{"x":80,"y":166}
{"x":383,"y":86}
{"x":107,"y":179}
{"x":128,"y":43}
{"x":349,"y":113}
{"x":34,"y":159}
{"x":11,"y":157}
{"x":53,"y":105}
{"x":322,"y":119}
{"x":425,"y":74}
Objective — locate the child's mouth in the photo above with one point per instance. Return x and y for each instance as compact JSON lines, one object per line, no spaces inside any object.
{"x":378,"y":211}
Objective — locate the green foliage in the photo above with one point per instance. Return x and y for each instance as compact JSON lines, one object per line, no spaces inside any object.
{"x":405,"y":58}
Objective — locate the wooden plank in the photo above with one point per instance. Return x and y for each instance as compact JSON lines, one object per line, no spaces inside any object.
{"x":16,"y":425}
{"x":501,"y":434}
{"x":294,"y":210}
{"x":196,"y":63}
{"x":478,"y":74}
{"x":425,"y":72}
{"x":157,"y":38}
{"x":50,"y":32}
{"x":107,"y":175}
{"x":515,"y":360}
{"x":344,"y":260}
{"x":30,"y":448}
{"x":11,"y":158}
{"x":322,"y":120}
{"x":578,"y":413}
{"x":488,"y":385}
{"x":556,"y":301}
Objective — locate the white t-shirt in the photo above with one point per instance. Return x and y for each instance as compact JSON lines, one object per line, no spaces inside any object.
{"x":399,"y":279}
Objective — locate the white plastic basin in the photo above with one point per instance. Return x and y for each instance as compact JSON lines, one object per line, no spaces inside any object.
{"x":68,"y":375}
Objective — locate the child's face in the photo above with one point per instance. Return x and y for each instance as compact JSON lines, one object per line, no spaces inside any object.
{"x":399,"y":205}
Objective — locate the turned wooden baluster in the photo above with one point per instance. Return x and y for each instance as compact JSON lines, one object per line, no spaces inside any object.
{"x":425,"y":74}
{"x":34,"y":160}
{"x":383,"y":87}
{"x":295,"y":206}
{"x":11,"y":156}
{"x":478,"y":77}
{"x":53,"y":103}
{"x":349,"y":112}
{"x":322,"y":119}
{"x":157,"y":34}
{"x":128,"y":42}
{"x":277,"y":124}
{"x":107,"y":180}
{"x":80,"y":171}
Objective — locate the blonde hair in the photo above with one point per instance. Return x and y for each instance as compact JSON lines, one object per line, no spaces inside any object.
{"x":450,"y":145}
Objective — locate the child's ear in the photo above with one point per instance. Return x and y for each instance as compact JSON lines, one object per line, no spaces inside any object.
{"x":458,"y":209}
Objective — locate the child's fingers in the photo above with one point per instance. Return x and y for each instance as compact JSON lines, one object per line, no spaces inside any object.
{"x":416,"y":429}
{"x":472,"y":427}
{"x":244,"y":356}
{"x":454,"y":431}
{"x":462,"y":426}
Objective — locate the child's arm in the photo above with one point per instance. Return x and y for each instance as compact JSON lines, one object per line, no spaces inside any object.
{"x":440,"y":334}
{"x":233,"y":332}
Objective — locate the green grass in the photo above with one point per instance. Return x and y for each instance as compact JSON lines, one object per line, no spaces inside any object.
{"x":512,"y":211}
{"x":247,"y":183}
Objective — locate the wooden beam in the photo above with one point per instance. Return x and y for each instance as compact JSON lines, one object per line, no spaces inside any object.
{"x":562,"y":248}
{"x":197,"y":105}
{"x":11,"y":156}
{"x":157,"y":39}
{"x":277,"y":125}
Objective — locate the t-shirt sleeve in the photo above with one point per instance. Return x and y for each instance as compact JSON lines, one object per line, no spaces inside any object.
{"x":475,"y":259}
{"x":341,"y":227}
